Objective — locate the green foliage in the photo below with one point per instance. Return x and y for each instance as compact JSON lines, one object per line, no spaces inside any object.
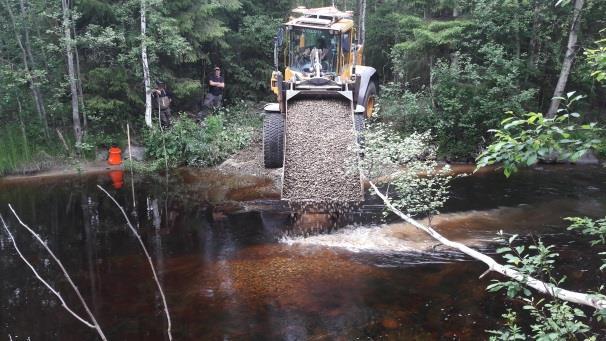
{"x":188,"y":143}
{"x":552,"y":319}
{"x":419,"y":185}
{"x":525,"y":139}
{"x":533,"y":261}
{"x":250,"y":60}
{"x":597,"y":60}
{"x":471,"y":97}
{"x":405,"y":110}
{"x":424,"y":40}
{"x":474,"y":60}
{"x":556,"y":320}
{"x":467,"y":99}
{"x":511,"y":332}
{"x":595,"y":228}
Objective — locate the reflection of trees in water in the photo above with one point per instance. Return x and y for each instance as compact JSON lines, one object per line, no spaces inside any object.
{"x":90,"y":220}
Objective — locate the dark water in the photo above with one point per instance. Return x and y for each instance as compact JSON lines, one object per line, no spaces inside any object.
{"x":215,"y":241}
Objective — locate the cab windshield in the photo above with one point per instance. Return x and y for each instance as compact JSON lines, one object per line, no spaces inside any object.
{"x":303,"y":41}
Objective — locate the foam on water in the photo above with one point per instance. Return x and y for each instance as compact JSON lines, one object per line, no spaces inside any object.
{"x":376,"y":238}
{"x":473,"y":228}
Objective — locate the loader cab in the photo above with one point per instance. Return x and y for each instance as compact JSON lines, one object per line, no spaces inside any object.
{"x":323,"y":33}
{"x":304,"y":42}
{"x":335,"y":49}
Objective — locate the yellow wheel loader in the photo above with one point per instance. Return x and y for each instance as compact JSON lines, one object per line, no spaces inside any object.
{"x":324,"y":95}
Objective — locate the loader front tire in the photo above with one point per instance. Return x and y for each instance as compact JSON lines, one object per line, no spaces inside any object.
{"x":273,"y":140}
{"x":359,"y":125}
{"x":370,"y":99}
{"x":359,"y":122}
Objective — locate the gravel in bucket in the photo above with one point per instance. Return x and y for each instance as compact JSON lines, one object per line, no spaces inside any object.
{"x":319,"y":139}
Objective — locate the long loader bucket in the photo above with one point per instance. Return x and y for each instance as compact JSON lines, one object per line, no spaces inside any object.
{"x":320,"y":155}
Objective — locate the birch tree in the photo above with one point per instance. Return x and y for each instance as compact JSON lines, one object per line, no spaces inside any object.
{"x":571,"y":51}
{"x":73,"y":84}
{"x":27,"y":59}
{"x":362,"y":21}
{"x":146,"y":81}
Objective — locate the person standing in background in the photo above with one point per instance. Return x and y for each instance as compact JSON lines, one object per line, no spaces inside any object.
{"x":163,"y":99}
{"x":214,"y":97}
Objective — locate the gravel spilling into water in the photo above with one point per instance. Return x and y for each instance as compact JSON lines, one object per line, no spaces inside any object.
{"x":319,"y":137}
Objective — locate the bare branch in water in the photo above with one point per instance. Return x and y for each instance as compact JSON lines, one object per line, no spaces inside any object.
{"x":151,"y":264}
{"x":94,"y":324}
{"x":540,"y":286}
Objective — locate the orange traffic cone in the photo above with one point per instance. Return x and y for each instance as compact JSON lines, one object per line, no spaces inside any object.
{"x":117,"y":177}
{"x":115,"y":156}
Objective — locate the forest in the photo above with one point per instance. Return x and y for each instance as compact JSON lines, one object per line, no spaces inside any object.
{"x":483,"y":155}
{"x":73,"y":71}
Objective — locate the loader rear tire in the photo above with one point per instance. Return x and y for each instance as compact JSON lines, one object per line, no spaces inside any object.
{"x":273,"y":140}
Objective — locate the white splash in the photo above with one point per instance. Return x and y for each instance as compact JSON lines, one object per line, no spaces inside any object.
{"x":377,"y":238}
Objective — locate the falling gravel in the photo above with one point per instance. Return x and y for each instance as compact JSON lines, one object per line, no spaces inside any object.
{"x":319,"y":139}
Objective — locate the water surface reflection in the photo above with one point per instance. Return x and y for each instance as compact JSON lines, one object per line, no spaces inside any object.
{"x":216,"y":241}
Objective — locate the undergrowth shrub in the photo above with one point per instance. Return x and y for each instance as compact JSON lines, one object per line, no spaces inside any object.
{"x":202,"y":145}
{"x":466,"y":99}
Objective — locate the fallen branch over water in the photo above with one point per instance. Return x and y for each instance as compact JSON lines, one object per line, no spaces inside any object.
{"x":543,"y":287}
{"x":94,"y":324}
{"x":151,"y":263}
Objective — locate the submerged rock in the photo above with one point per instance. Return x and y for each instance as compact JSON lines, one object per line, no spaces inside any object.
{"x":588,"y":158}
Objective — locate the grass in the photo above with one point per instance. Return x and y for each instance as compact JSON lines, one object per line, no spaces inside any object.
{"x":25,"y":155}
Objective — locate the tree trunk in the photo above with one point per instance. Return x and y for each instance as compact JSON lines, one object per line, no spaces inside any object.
{"x":28,"y":49}
{"x":518,"y":41}
{"x":571,"y":52}
{"x":148,"y":102}
{"x":532,"y":46}
{"x":546,"y":288}
{"x":71,"y":71}
{"x":433,"y":100}
{"x":32,"y":81}
{"x":22,"y":126}
{"x":363,"y":24}
{"x":79,"y":74}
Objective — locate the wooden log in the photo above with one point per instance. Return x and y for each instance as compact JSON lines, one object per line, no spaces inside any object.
{"x":542,"y":287}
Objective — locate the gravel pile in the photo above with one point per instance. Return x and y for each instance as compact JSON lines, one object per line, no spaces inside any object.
{"x":249,"y":161}
{"x":319,"y":136}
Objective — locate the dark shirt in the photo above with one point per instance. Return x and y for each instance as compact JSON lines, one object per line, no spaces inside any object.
{"x":163,"y":93}
{"x":215,"y":90}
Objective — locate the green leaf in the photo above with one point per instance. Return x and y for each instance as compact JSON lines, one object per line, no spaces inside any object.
{"x":503,"y":250}
{"x":514,"y":124}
